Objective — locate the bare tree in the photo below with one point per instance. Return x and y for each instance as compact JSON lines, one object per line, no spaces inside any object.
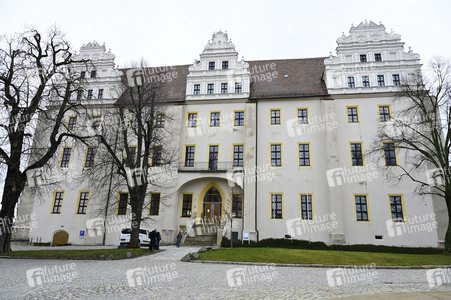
{"x":421,"y":130}
{"x":133,"y":140}
{"x":36,"y":85}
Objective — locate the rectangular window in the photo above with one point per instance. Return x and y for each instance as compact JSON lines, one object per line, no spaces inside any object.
{"x":79,"y":94}
{"x":71,"y":123}
{"x":154,"y":207}
{"x":157,"y":156}
{"x":237,"y":205}
{"x":365,"y":81}
{"x":384,"y":113}
{"x":363,"y":58}
{"x":160,"y":120}
{"x":380,"y":80}
{"x":377,"y":57}
{"x":100,"y":96}
{"x":82,"y":74}
{"x":57,"y":202}
{"x":306,"y":207}
{"x":90,"y":155}
{"x":83,"y":203}
{"x":238,"y":87}
{"x":276,"y":155}
{"x":390,"y":154}
{"x":210,"y":89}
{"x":396,"y":81}
{"x":397,"y":214}
{"x":211,"y":65}
{"x":304,"y":155}
{"x":96,"y":120}
{"x":225,"y":65}
{"x":187,"y":203}
{"x":89,"y":94}
{"x":351,"y":82}
{"x":192,"y":119}
{"x":65,"y":157}
{"x":275,"y":116}
{"x":189,"y":156}
{"x":302,"y":116}
{"x":213,"y":156}
{"x":93,"y":74}
{"x":238,"y":155}
{"x":122,"y":205}
{"x":353,"y":114}
{"x":215,"y":118}
{"x":133,"y":121}
{"x":361,"y":207}
{"x":276,"y":206}
{"x":131,"y":160}
{"x":196,"y":89}
{"x":356,"y":154}
{"x":224,"y":88}
{"x":239,"y":118}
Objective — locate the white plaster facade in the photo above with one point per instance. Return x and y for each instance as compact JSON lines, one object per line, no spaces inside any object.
{"x":328,"y":135}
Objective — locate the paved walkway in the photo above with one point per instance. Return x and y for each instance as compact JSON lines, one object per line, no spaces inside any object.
{"x":163,"y":276}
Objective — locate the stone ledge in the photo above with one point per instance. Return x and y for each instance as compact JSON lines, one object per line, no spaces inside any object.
{"x":314,"y":265}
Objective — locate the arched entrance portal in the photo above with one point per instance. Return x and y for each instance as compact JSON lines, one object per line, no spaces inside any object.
{"x":60,"y":238}
{"x":212,"y":206}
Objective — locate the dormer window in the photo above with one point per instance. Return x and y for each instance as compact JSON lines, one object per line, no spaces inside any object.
{"x":93,"y":74}
{"x":377,"y":57}
{"x":351,"y":82}
{"x":396,"y":81}
{"x":211,"y":65}
{"x":210,"y":89}
{"x":365,"y":81}
{"x":225,"y":65}
{"x":380,"y":80}
{"x":82,"y":74}
{"x":224,"y":87}
{"x":196,"y":89}
{"x":238,"y":87}
{"x":363,"y":58}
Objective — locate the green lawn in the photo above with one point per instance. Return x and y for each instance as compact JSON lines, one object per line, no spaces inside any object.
{"x":299,"y":256}
{"x":80,"y":254}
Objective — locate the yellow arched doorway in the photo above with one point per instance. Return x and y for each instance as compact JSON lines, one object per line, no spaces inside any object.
{"x":60,"y":238}
{"x":212,"y":203}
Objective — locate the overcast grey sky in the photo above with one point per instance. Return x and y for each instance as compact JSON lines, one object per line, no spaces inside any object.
{"x":175,"y":32}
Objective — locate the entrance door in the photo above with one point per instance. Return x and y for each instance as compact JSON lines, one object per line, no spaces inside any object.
{"x":212,"y":206}
{"x":60,"y":238}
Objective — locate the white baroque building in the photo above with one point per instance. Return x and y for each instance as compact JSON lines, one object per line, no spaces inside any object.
{"x":278,"y":145}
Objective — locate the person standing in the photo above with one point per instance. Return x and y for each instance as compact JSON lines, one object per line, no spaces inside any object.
{"x":179,"y":239}
{"x":157,"y":240}
{"x":152,"y":236}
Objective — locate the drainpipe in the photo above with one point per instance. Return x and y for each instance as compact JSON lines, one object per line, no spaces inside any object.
{"x":109,"y":192}
{"x":256,"y":162}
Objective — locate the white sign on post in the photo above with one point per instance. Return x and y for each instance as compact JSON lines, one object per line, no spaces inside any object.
{"x":246,"y":237}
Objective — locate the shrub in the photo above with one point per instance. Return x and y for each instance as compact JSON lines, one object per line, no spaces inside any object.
{"x":303,"y":244}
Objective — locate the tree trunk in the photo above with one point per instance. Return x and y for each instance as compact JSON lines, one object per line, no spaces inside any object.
{"x":14,"y":185}
{"x":448,"y":231}
{"x":136,"y":202}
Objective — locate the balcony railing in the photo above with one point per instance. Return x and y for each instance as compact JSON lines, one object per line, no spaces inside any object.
{"x":205,"y":166}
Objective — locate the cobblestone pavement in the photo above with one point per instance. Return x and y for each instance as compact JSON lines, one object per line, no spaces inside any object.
{"x":163,"y":276}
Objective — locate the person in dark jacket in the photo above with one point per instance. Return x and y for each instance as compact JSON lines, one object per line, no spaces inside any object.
{"x":157,"y":240}
{"x":153,"y":237}
{"x":179,"y":239}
